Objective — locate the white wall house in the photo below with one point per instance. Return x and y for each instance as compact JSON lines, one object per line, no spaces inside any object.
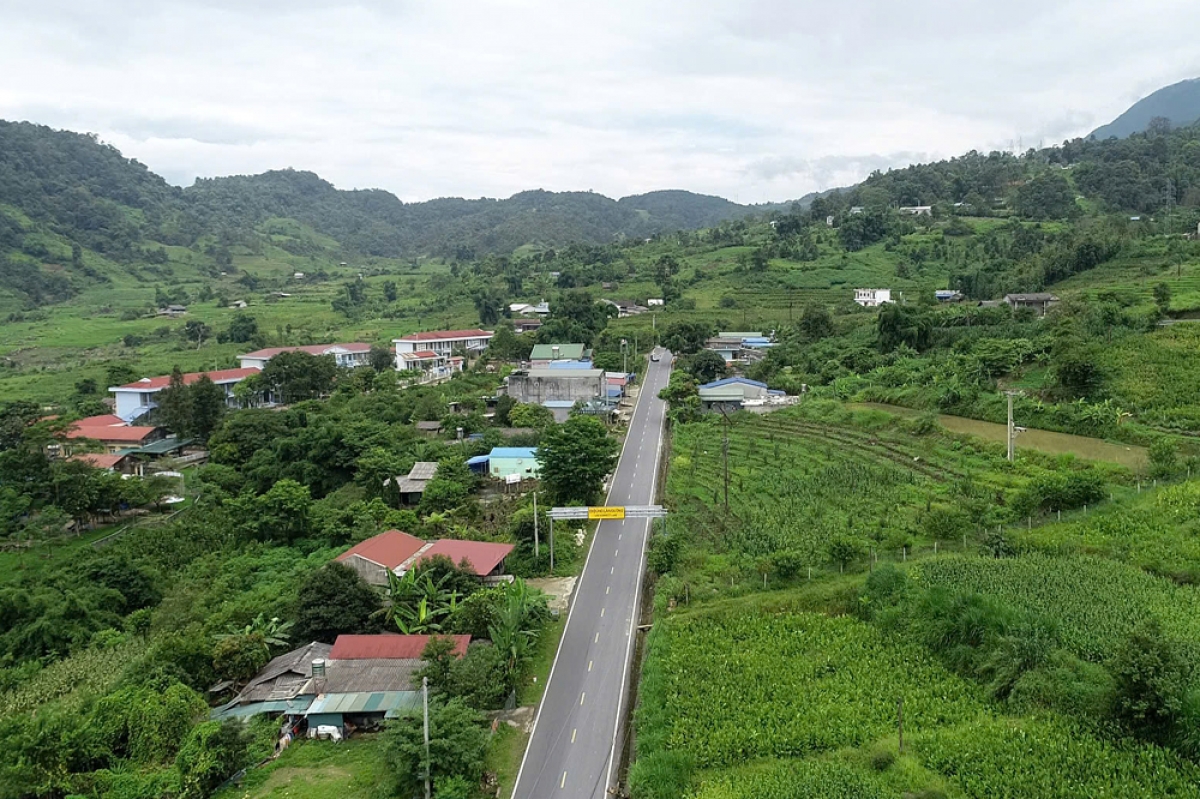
{"x":140,"y":397}
{"x":441,"y":342}
{"x":917,"y":210}
{"x":348,"y":355}
{"x":872,"y":298}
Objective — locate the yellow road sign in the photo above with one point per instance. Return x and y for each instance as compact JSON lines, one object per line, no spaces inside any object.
{"x":605,"y":512}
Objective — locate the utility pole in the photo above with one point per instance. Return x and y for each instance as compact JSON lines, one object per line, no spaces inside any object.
{"x":425,"y":701}
{"x":535,"y":527}
{"x":1012,"y":431}
{"x":725,"y":455}
{"x":551,"y":545}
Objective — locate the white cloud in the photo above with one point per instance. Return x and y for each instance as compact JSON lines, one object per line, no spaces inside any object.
{"x":758,"y":100}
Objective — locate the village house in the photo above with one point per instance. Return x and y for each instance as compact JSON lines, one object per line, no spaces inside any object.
{"x":734,"y":393}
{"x":412,"y":486}
{"x":916,"y":210}
{"x":113,"y":433}
{"x":1039,"y":302}
{"x":526,"y":325}
{"x":432,"y":353}
{"x":549,"y":384}
{"x":543,"y":355}
{"x":398,"y":552}
{"x":872,"y":298}
{"x":140,"y":397}
{"x":345,"y":355}
{"x":506,"y":462}
{"x":358,"y":682}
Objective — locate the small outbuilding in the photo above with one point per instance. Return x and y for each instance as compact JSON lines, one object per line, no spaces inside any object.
{"x":506,"y":461}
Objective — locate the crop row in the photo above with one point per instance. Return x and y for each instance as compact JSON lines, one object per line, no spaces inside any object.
{"x":1096,"y":602}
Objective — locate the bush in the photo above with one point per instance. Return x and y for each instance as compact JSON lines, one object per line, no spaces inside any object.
{"x":213,"y":752}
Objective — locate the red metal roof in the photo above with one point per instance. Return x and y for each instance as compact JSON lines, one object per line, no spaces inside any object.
{"x":442,"y":335}
{"x":388,"y":549}
{"x":419,"y":355}
{"x":107,"y":420}
{"x":98,"y":460}
{"x":219,"y":376}
{"x":389,"y":647}
{"x":111,"y":433}
{"x":482,"y":555}
{"x":311,"y":349}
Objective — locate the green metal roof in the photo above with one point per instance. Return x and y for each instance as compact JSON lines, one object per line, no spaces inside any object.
{"x":160,"y":447}
{"x":292,"y":706}
{"x":388,"y":702}
{"x":566,"y":352}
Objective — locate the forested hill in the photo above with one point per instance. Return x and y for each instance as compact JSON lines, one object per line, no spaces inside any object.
{"x":74,"y":186}
{"x":1179,"y":103}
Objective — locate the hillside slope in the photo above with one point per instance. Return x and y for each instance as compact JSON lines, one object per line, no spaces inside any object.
{"x":71,"y":185}
{"x":1179,"y":102}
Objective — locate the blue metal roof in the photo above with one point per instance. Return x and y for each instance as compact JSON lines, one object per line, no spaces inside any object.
{"x":558,"y":404}
{"x":569,"y":365}
{"x":728,"y":381}
{"x":513,"y":452}
{"x":477,"y":460}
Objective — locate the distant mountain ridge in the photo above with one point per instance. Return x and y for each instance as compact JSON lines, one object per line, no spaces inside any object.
{"x":1179,"y":102}
{"x":88,"y":191}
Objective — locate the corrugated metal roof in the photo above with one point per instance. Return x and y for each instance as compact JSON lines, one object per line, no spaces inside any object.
{"x":513,"y":452}
{"x":568,"y":374}
{"x":423,"y":470}
{"x":477,"y":460}
{"x":388,"y":549}
{"x":391,"y":645}
{"x":387,"y":702}
{"x":729,"y":381}
{"x":482,"y":555}
{"x":567,"y":352}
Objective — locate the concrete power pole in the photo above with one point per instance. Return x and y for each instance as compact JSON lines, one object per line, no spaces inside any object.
{"x":425,"y":701}
{"x":1012,"y":430}
{"x":535,"y":527}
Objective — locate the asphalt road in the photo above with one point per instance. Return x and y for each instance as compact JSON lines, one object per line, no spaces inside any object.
{"x":573,"y":749}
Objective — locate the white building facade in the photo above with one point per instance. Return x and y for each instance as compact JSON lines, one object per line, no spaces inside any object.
{"x":872,"y":298}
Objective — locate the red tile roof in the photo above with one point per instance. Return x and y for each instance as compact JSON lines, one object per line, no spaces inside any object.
{"x":388,"y":549}
{"x":482,"y":555}
{"x":390,"y":647}
{"x":98,"y":460}
{"x":442,"y":335}
{"x":111,"y":433}
{"x":107,"y":420}
{"x":219,"y":376}
{"x":311,"y":349}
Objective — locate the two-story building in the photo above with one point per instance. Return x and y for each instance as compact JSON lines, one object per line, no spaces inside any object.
{"x":433,"y":352}
{"x":872,"y":298}
{"x":347,"y":355}
{"x":140,"y":397}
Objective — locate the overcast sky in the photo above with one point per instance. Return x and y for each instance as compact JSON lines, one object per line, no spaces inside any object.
{"x":750,"y":99}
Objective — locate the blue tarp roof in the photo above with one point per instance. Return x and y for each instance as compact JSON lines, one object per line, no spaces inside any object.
{"x":513,"y":452}
{"x":728,"y":381}
{"x":614,"y":392}
{"x":558,"y":404}
{"x":569,"y":365}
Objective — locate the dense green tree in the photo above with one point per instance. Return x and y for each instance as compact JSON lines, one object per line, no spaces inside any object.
{"x":207,"y":401}
{"x":1150,"y":682}
{"x":815,"y":323}
{"x":457,"y":745}
{"x":175,"y":405}
{"x":1047,"y":195}
{"x":528,"y":414}
{"x":381,"y":359}
{"x":242,"y":328}
{"x":213,"y":752}
{"x":574,"y":457}
{"x":333,"y":601}
{"x":685,"y":338}
{"x":295,"y":376}
{"x":706,"y":366}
